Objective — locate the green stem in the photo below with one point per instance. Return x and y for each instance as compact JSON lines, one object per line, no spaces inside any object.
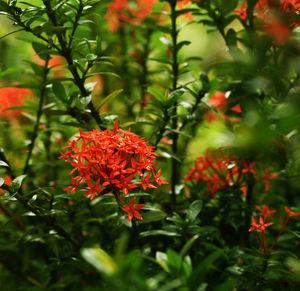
{"x":144,"y":75}
{"x":38,"y":117}
{"x":66,"y":52}
{"x":125,"y":71}
{"x":174,"y":121}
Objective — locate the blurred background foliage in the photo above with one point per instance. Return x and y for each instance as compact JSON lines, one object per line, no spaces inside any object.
{"x":226,"y":80}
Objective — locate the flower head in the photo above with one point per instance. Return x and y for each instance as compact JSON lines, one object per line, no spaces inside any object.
{"x":133,"y":209}
{"x":265,"y":211}
{"x":110,"y":160}
{"x":291,"y":213}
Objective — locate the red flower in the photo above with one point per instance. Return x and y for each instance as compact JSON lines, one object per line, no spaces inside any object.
{"x":220,"y":169}
{"x":265,"y":212}
{"x":120,"y":11}
{"x":254,"y":224}
{"x":110,"y":160}
{"x":261,"y":226}
{"x":7,"y":181}
{"x":133,"y":209}
{"x":267,"y":177}
{"x":219,"y":101}
{"x":12,"y":97}
{"x":249,"y":168}
{"x":243,"y":11}
{"x":291,"y":213}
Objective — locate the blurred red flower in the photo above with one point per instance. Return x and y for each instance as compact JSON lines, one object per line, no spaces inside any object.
{"x":219,"y":101}
{"x":121,"y":11}
{"x":12,"y":97}
{"x":7,"y":181}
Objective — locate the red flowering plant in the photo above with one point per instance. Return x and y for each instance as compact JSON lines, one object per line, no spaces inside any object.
{"x":221,"y":169}
{"x":279,"y":18}
{"x":112,"y":161}
{"x":262,"y":225}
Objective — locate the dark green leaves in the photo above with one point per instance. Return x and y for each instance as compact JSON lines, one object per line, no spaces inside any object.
{"x":17,"y":183}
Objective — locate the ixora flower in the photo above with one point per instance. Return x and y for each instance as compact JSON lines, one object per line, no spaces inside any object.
{"x":111,"y":161}
{"x":221,"y":169}
{"x":12,"y":97}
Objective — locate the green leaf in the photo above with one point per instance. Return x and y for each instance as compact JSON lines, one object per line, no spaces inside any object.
{"x":11,"y":32}
{"x":181,"y":44}
{"x":154,"y":215}
{"x":59,"y":91}
{"x":165,"y":41}
{"x":99,"y":45}
{"x":188,"y":245}
{"x":228,"y":5}
{"x":1,"y":181}
{"x":157,"y":95}
{"x":85,"y":100}
{"x":4,"y":7}
{"x":3,"y":164}
{"x":41,"y":50}
{"x":15,"y":185}
{"x":194,"y":210}
{"x":174,"y":95}
{"x":174,"y":260}
{"x":200,"y":272}
{"x":101,"y":260}
{"x":231,"y":37}
{"x":91,"y":57}
{"x":183,"y":11}
{"x":110,"y":97}
{"x":158,"y":232}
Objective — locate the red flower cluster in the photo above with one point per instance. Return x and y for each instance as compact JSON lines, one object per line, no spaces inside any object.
{"x":111,"y":160}
{"x":219,"y":101}
{"x":12,"y":97}
{"x":221,"y":169}
{"x":279,"y":18}
{"x":263,"y":225}
{"x":120,"y":12}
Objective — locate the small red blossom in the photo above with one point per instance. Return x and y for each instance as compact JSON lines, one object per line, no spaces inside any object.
{"x":265,"y":211}
{"x":12,"y":97}
{"x":219,"y":101}
{"x":243,"y":11}
{"x":291,"y":213}
{"x":261,"y":226}
{"x":267,"y":177}
{"x":253,"y":224}
{"x":133,"y":210}
{"x":7,"y":181}
{"x":110,"y":161}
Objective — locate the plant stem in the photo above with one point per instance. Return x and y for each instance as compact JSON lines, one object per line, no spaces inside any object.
{"x":278,"y":236}
{"x":144,"y":75}
{"x":66,"y":52}
{"x":38,"y":117}
{"x":174,"y":120}
{"x":125,"y":70}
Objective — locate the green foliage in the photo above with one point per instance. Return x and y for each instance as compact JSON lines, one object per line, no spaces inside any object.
{"x":70,"y":64}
